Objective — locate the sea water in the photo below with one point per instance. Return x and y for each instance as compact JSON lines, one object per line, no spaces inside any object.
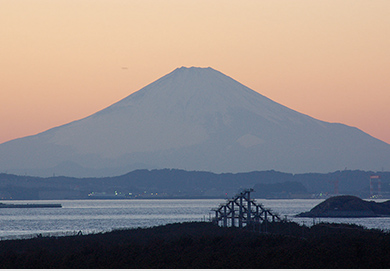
{"x":93,"y":216}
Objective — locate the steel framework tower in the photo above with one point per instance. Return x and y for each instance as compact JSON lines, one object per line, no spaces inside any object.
{"x":242,"y":211}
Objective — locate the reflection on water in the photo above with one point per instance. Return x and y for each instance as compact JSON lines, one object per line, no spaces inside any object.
{"x":101,"y":215}
{"x":104,"y":215}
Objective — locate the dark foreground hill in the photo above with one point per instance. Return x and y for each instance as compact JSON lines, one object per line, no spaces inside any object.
{"x":204,"y":245}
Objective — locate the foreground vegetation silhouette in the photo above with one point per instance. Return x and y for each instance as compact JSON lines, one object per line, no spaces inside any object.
{"x":205,"y":245}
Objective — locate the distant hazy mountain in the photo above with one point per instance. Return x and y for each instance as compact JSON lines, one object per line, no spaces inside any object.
{"x":194,"y":119}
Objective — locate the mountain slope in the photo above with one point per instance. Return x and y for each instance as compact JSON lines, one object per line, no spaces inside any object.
{"x":194,"y":119}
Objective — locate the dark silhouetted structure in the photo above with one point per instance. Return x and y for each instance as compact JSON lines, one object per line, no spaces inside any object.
{"x":243,"y":211}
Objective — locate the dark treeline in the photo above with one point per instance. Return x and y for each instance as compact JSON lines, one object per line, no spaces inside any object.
{"x":204,"y":245}
{"x":172,"y":183}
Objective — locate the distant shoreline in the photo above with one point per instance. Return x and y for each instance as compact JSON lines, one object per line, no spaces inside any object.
{"x":3,"y":205}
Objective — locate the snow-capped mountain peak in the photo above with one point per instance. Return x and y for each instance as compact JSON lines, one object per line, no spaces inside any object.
{"x":197,"y":119}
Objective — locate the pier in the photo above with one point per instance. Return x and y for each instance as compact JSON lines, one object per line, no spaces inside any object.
{"x":242,"y":210}
{"x":32,"y":205}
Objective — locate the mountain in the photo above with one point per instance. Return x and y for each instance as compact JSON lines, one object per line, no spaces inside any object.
{"x":194,"y":119}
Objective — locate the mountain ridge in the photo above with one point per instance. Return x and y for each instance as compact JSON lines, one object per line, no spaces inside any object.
{"x":171,"y":183}
{"x":197,"y":119}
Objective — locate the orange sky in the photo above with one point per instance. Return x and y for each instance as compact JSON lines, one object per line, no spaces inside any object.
{"x":63,"y":60}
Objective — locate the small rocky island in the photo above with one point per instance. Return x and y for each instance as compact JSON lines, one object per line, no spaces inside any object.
{"x":348,"y":206}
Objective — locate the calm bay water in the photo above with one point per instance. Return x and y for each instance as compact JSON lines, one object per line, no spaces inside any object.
{"x":91,"y":216}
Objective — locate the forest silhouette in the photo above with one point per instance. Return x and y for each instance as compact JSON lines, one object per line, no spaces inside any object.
{"x":205,"y":245}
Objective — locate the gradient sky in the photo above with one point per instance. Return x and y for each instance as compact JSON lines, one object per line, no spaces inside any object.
{"x":62,"y":60}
